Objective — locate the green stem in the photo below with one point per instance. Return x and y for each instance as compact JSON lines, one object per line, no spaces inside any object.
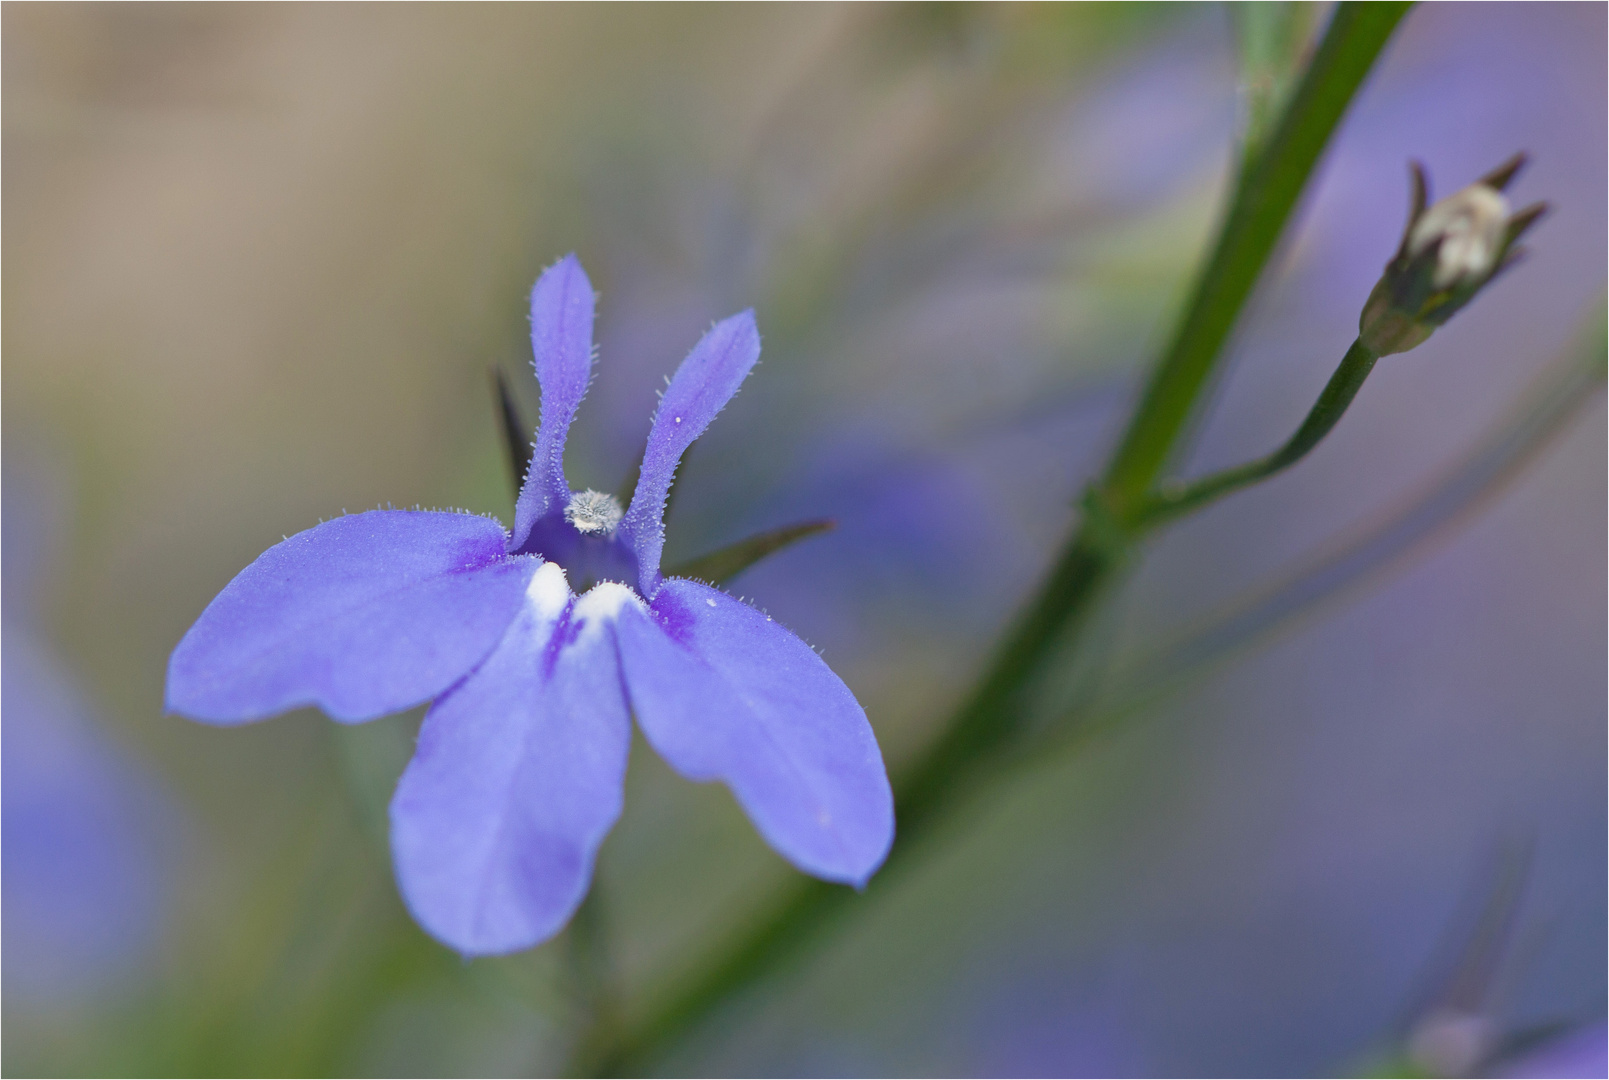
{"x":1175,"y":500}
{"x":996,"y":713}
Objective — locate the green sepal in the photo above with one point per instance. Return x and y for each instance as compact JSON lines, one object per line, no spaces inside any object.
{"x":728,"y":562}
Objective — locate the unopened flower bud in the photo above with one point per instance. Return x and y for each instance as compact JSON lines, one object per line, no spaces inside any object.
{"x":1448,"y":254}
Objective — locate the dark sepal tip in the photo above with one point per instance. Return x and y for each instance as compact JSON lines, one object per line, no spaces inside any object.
{"x":516,"y":441}
{"x":1420,"y":197}
{"x":1499,"y":178}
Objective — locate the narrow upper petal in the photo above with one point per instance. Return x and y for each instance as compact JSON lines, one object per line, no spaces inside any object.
{"x":362,"y":616}
{"x":724,"y":693}
{"x":561,"y":344}
{"x":702,"y":386}
{"x":517,"y":778}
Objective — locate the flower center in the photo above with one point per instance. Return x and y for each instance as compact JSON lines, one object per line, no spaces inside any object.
{"x":593,"y":513}
{"x":582,"y":539}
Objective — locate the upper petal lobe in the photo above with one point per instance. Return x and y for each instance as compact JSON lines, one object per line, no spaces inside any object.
{"x":362,"y":616}
{"x":702,"y":386}
{"x":724,"y":693}
{"x":517,"y":779}
{"x":562,"y":305}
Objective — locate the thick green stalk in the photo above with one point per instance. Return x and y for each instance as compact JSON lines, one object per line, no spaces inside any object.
{"x":1270,"y":36}
{"x":1175,"y":500}
{"x":996,"y":712}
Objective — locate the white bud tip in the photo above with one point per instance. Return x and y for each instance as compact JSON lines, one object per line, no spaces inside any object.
{"x":1469,"y":224}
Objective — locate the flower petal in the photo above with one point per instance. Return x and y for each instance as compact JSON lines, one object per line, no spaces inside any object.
{"x":561,"y":345}
{"x":724,"y":693}
{"x":517,"y":779}
{"x":362,"y":616}
{"x":702,"y":386}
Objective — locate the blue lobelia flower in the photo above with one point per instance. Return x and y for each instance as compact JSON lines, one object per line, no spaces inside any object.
{"x":520,"y":764}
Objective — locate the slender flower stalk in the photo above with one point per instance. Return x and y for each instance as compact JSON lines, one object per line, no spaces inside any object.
{"x":1176,"y":499}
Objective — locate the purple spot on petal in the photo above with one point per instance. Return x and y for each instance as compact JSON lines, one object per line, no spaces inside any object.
{"x":673,"y":617}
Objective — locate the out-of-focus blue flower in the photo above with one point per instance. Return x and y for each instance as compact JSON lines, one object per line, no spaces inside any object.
{"x":85,"y":830}
{"x":519,"y":770}
{"x":83,"y":896}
